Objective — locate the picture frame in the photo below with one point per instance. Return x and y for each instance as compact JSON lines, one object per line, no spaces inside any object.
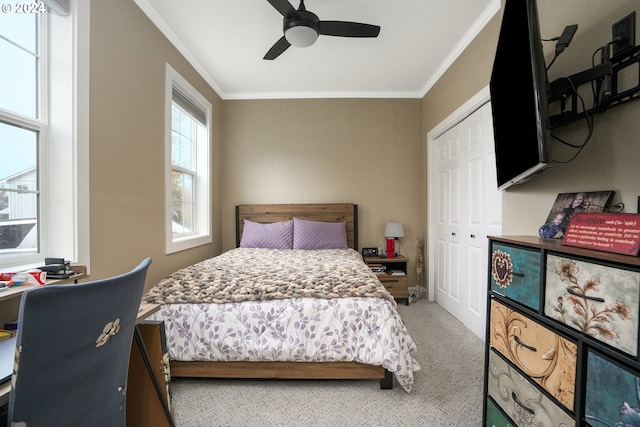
{"x":568,"y":203}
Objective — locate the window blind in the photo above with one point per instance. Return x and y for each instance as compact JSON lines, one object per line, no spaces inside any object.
{"x":61,"y":7}
{"x":191,"y":107}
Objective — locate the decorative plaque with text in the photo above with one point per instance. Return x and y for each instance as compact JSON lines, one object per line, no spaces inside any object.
{"x":610,"y":232}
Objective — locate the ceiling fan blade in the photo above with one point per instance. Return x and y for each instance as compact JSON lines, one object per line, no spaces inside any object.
{"x":348,"y":29}
{"x":277,"y":49}
{"x":284,"y":7}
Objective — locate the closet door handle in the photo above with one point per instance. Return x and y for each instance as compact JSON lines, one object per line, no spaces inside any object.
{"x":528,"y":347}
{"x":473,"y":236}
{"x":597,"y":299}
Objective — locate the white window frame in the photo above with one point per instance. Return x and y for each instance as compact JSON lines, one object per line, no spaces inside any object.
{"x":63,"y":138}
{"x":202,"y":223}
{"x":38,"y":125}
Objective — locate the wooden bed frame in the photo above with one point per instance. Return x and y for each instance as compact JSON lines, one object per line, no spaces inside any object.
{"x":268,"y":213}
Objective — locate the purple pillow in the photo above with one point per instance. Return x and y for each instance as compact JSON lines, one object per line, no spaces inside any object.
{"x":319,"y":235}
{"x":276,"y":235}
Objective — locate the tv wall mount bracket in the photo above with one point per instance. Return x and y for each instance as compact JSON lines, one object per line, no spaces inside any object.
{"x":606,"y":78}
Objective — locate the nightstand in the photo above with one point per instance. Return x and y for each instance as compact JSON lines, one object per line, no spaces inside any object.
{"x":392,"y":272}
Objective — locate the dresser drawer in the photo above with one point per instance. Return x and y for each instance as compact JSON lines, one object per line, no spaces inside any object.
{"x":398,"y":286}
{"x":611,"y":393}
{"x":521,"y":400}
{"x":495,"y":418}
{"x":515,"y":273}
{"x":546,"y":357}
{"x":600,"y":301}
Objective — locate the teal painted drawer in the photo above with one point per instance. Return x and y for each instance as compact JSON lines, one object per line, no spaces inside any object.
{"x":515,"y":273}
{"x":612,"y":394}
{"x":520,"y":399}
{"x":600,"y":301}
{"x":495,"y":417}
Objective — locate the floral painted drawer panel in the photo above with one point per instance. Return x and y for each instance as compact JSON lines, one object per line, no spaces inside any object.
{"x":546,"y":357}
{"x":613,"y":394}
{"x":515,"y":273}
{"x":520,"y":399}
{"x":600,"y":301}
{"x":495,"y":417}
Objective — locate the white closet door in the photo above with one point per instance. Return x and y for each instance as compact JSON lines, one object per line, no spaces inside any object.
{"x":468,"y":209}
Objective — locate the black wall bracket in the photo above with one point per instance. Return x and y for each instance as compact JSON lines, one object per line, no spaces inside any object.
{"x":606,"y":80}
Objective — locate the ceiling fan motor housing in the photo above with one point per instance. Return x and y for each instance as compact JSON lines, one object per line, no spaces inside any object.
{"x":302,"y":30}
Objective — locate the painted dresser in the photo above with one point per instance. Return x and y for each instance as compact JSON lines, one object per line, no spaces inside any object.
{"x":562,"y":335}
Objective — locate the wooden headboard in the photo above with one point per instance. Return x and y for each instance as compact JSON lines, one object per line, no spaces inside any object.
{"x":327,"y":212}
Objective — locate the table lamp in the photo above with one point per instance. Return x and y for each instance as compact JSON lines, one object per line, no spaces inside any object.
{"x":392,"y":231}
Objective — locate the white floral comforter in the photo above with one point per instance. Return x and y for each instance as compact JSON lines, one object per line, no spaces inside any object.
{"x":366,"y":329}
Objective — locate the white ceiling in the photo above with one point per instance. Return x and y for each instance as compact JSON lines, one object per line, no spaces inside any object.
{"x":225,"y":40}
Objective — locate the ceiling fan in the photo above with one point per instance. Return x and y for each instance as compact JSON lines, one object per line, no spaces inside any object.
{"x":302,"y":28}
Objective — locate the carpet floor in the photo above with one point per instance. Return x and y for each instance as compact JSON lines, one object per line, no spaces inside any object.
{"x":447,"y":391}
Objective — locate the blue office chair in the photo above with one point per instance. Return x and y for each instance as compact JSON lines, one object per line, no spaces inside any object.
{"x":72,"y":352}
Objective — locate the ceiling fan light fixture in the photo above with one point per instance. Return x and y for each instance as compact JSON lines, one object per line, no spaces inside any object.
{"x":301,"y":28}
{"x":301,"y":35}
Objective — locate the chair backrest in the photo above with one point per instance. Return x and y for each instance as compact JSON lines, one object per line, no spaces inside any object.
{"x":72,"y":352}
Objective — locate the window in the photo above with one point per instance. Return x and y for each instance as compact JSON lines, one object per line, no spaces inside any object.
{"x":43,"y":165}
{"x":188,"y":177}
{"x":21,"y":130}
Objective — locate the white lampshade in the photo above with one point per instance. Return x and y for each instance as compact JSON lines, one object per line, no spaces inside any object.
{"x":394,"y":229}
{"x":301,"y":36}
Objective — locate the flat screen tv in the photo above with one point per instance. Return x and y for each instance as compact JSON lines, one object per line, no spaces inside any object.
{"x":518,"y":90}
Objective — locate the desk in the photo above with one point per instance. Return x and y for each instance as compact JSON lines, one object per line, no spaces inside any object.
{"x":14,"y":292}
{"x":147,"y":388}
{"x":145,"y":311}
{"x":5,"y":389}
{"x":80,"y":273}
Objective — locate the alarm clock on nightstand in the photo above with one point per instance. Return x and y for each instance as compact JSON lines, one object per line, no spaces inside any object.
{"x":369,"y":252}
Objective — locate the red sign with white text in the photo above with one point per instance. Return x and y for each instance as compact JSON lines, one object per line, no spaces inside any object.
{"x":610,"y":232}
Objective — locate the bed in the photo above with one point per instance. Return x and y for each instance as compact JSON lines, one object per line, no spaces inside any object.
{"x":294,"y":300}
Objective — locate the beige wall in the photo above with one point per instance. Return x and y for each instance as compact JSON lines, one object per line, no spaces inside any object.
{"x":365,"y":151}
{"x":267,"y":151}
{"x":127,"y":80}
{"x":468,"y":75}
{"x":609,"y":162}
{"x":368,"y":151}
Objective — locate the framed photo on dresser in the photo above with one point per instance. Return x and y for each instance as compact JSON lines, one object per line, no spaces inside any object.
{"x":567,"y":204}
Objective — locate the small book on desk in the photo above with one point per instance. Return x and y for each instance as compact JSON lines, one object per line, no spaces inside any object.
{"x":60,"y":275}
